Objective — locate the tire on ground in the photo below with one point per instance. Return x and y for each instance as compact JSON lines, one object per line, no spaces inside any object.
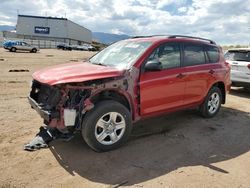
{"x":92,"y":117}
{"x":204,"y":108}
{"x":13,"y":49}
{"x":34,"y":50}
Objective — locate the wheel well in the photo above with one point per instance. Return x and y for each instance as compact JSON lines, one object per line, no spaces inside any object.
{"x":221,"y":86}
{"x":111,"y":95}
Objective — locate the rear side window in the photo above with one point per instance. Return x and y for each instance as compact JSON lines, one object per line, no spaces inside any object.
{"x":193,"y":55}
{"x":213,"y":54}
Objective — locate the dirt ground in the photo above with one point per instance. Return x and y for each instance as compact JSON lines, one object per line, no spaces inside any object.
{"x":176,"y":150}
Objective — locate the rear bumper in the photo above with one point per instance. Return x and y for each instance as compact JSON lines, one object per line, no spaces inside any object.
{"x":240,"y":84}
{"x":239,"y":76}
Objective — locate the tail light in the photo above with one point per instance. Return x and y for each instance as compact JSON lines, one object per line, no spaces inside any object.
{"x":248,"y":66}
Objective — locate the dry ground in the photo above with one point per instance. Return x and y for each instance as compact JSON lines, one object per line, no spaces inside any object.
{"x":177,"y":150}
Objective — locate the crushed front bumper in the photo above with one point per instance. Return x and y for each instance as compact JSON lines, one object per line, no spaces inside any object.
{"x":46,"y":115}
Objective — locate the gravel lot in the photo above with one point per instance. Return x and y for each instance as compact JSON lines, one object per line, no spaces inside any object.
{"x":176,"y":150}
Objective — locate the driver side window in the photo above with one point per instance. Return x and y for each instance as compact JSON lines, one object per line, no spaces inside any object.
{"x":168,"y":55}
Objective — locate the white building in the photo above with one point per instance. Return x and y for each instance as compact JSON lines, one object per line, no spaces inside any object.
{"x":53,"y":29}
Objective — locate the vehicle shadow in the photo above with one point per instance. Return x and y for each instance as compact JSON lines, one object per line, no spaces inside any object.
{"x":159,"y":146}
{"x":240,"y":92}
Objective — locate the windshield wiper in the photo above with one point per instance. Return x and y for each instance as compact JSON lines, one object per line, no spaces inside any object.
{"x":99,"y":64}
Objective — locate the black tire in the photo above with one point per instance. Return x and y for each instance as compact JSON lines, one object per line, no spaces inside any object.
{"x":205,"y":107}
{"x":13,"y":49}
{"x":34,"y":50}
{"x":97,"y":113}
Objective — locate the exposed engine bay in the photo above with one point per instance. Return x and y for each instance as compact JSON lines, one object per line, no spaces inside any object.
{"x":59,"y":106}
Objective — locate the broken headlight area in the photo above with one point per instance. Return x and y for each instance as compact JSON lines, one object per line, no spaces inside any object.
{"x":59,"y":106}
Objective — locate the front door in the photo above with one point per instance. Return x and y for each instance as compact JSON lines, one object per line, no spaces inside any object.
{"x":162,"y":90}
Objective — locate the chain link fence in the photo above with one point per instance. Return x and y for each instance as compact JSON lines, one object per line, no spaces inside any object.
{"x":39,"y":43}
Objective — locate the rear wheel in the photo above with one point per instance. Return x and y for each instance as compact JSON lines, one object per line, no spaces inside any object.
{"x":34,"y":50}
{"x":107,"y":126}
{"x":212,"y":103}
{"x":13,"y":49}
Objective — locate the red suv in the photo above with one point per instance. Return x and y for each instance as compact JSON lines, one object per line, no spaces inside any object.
{"x":130,"y":80}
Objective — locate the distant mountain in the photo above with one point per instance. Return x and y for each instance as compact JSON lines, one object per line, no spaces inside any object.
{"x":107,"y":38}
{"x":7,"y":28}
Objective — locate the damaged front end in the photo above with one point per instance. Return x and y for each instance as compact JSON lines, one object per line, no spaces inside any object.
{"x":60,"y":106}
{"x":64,"y":106}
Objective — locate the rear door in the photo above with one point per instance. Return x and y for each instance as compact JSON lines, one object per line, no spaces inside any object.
{"x":162,"y":90}
{"x":200,"y":73}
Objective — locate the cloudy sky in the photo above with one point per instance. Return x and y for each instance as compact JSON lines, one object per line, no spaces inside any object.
{"x":225,"y":21}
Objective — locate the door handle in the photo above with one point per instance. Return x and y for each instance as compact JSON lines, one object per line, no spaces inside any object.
{"x":180,"y":75}
{"x":211,"y":71}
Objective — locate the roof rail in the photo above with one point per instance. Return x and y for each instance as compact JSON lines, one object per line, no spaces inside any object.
{"x":198,"y":38}
{"x":148,"y":36}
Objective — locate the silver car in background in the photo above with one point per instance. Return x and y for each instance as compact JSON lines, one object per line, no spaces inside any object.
{"x":239,"y":59}
{"x":23,"y":46}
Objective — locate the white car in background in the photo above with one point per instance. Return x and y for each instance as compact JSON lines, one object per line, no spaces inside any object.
{"x":239,"y":59}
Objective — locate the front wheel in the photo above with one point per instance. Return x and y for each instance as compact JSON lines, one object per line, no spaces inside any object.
{"x":212,"y":103}
{"x":107,"y":126}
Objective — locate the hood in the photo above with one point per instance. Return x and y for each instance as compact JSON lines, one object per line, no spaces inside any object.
{"x":75,"y":72}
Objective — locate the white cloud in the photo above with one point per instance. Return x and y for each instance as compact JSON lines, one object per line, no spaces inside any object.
{"x":225,"y":21}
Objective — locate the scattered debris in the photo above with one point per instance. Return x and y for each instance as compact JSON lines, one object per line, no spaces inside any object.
{"x":138,"y":185}
{"x":118,"y":185}
{"x":44,"y":137}
{"x":49,"y":55}
{"x":218,"y":125}
{"x":40,"y":141}
{"x":19,"y":70}
{"x":14,"y":82}
{"x":163,"y":131}
{"x":74,"y":60}
{"x":137,"y":166}
{"x":212,"y":128}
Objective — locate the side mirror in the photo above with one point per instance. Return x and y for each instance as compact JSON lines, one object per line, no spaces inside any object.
{"x":153,"y":65}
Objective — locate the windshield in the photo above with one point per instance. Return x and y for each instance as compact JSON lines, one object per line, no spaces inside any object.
{"x":238,"y":55}
{"x":121,"y":55}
